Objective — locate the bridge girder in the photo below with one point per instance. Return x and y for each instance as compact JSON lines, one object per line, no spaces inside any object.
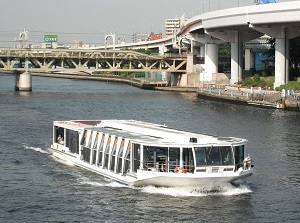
{"x":49,"y":60}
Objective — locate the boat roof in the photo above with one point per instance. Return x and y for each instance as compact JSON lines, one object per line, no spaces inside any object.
{"x":149,"y":133}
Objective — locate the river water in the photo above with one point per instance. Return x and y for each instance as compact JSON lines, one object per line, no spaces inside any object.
{"x":34,"y":187}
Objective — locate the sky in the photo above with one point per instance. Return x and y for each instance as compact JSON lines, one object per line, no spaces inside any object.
{"x":89,"y":20}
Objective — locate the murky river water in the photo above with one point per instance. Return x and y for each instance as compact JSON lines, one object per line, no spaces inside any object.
{"x":34,"y":187}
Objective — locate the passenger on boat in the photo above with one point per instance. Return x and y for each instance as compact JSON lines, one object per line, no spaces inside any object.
{"x":179,"y":170}
{"x":163,"y":167}
{"x":60,"y":139}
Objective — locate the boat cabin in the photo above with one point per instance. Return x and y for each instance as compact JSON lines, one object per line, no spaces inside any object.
{"x":126,"y":146}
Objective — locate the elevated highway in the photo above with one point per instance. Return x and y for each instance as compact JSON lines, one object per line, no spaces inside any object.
{"x":203,"y":33}
{"x":239,"y":25}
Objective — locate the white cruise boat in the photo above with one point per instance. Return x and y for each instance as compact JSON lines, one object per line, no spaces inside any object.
{"x":140,"y":154}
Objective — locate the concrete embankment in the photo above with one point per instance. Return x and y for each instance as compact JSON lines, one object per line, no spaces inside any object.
{"x":231,"y":94}
{"x":254,"y":97}
{"x":145,"y":84}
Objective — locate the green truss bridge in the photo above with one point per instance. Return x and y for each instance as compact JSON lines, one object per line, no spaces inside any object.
{"x":88,"y":61}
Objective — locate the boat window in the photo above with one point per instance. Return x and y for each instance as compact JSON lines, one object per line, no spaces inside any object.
{"x":155,"y":157}
{"x":174,"y":157}
{"x":59,"y":135}
{"x":148,"y":157}
{"x":106,"y":152}
{"x":96,"y":141}
{"x":188,"y":159}
{"x":200,"y":156}
{"x":119,"y":160}
{"x":86,"y":154}
{"x":227,"y":156}
{"x":95,"y":149}
{"x":72,"y":140}
{"x":213,"y":155}
{"x":127,"y":159}
{"x":113,"y":155}
{"x":136,"y":156}
{"x":101,"y":150}
{"x":90,"y":140}
{"x":83,"y":140}
{"x":239,"y":156}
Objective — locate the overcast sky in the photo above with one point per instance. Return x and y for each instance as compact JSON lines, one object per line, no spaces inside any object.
{"x":89,"y":20}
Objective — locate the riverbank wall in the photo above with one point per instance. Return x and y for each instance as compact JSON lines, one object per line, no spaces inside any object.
{"x":229,"y":94}
{"x":137,"y":82}
{"x":252,"y":96}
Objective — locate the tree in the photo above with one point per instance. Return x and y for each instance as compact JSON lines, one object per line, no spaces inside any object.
{"x":294,"y":57}
{"x":295,"y":51}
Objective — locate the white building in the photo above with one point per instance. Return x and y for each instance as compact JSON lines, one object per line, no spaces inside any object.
{"x":172,"y":25}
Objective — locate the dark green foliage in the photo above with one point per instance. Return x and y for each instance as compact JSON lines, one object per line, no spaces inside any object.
{"x":256,"y":78}
{"x":295,"y":51}
{"x":148,"y":51}
{"x":295,"y":85}
{"x":252,"y":71}
{"x":294,"y":74}
{"x":271,"y":52}
{"x":269,"y":71}
{"x":247,"y":82}
{"x":224,"y":49}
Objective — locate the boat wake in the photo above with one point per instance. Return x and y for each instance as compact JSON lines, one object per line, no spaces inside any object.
{"x":225,"y":190}
{"x":62,"y":161}
{"x":37,"y":149}
{"x":99,"y":181}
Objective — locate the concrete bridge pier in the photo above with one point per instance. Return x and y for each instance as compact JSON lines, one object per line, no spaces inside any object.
{"x":23,"y":81}
{"x":209,"y":50}
{"x":236,"y":39}
{"x":211,"y":59}
{"x":281,"y":62}
{"x":236,"y":62}
{"x":249,"y":62}
{"x":282,"y":35}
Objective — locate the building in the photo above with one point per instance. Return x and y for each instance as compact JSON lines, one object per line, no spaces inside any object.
{"x":138,"y":37}
{"x":155,"y":36}
{"x":171,"y":26}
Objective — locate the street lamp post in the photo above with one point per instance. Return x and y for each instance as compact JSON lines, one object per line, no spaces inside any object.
{"x":203,"y":7}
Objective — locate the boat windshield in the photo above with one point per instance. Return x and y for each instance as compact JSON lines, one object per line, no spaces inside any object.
{"x":214,"y":156}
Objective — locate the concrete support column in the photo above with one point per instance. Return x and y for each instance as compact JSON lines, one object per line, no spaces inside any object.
{"x":161,"y":49}
{"x":24,"y":80}
{"x":202,"y":51}
{"x":248,"y":59}
{"x":211,"y":59}
{"x":174,"y":79}
{"x":189,"y":63}
{"x":280,"y":61}
{"x":287,"y":60}
{"x":236,"y":62}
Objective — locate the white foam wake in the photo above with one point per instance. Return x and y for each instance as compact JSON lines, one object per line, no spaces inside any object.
{"x":37,"y":149}
{"x":226,"y":190}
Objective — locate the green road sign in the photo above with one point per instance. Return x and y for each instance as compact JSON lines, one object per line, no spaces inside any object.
{"x":50,"y":38}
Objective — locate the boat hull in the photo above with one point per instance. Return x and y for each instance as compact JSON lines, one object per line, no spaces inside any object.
{"x":143,"y":178}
